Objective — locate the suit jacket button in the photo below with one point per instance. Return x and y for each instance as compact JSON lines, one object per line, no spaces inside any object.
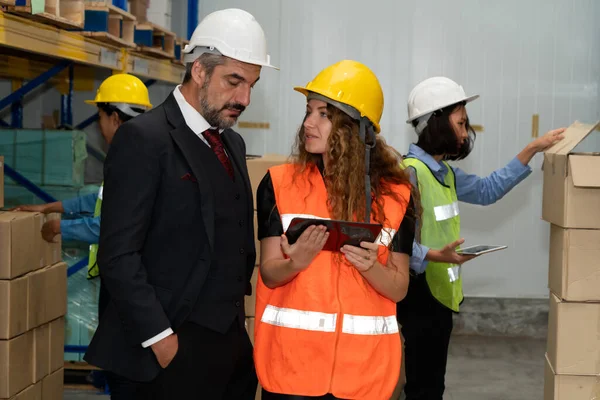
{"x":239,"y":278}
{"x":237,"y":303}
{"x":241,"y":222}
{"x":242,"y":251}
{"x":237,"y":196}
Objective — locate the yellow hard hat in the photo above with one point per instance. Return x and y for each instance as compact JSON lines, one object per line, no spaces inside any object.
{"x":350,"y":83}
{"x":122,"y":89}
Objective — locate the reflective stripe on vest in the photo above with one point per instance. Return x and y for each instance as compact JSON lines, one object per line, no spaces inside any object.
{"x":384,"y":239}
{"x":327,"y":330}
{"x":446,"y":211}
{"x":440,"y":226}
{"x":322,"y":322}
{"x":93,"y":270}
{"x":369,"y":325}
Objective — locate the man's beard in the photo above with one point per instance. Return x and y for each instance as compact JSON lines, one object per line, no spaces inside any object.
{"x":213,"y":115}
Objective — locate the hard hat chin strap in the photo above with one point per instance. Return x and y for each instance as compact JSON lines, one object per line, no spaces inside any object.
{"x":367,"y":136}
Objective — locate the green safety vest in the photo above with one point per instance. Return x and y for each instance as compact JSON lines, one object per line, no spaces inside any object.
{"x":93,"y":270}
{"x":440,"y":225}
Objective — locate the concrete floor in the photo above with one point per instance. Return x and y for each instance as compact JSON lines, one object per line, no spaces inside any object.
{"x":479,"y":368}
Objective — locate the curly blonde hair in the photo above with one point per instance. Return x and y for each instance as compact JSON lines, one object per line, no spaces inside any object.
{"x":345,"y":173}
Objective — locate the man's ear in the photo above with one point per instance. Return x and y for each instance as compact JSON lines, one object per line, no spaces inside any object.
{"x":198,"y":73}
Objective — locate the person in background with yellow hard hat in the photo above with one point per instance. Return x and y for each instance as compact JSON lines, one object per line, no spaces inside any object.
{"x":326,"y":320}
{"x":437,"y":111}
{"x":119,"y":98}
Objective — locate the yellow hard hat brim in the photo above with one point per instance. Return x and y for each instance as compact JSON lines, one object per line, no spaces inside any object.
{"x":305,"y":91}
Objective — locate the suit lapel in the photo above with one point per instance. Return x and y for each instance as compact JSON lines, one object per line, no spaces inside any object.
{"x":187,"y":142}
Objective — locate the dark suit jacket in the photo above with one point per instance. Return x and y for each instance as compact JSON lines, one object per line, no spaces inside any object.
{"x":156,"y":237}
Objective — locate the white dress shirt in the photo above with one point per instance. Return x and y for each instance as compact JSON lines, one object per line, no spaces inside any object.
{"x":197,"y":124}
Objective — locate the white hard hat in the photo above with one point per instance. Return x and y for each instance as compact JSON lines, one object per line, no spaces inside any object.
{"x":233,"y":33}
{"x":434,"y":94}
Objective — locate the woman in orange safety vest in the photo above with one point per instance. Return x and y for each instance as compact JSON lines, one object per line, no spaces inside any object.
{"x":325,"y":320}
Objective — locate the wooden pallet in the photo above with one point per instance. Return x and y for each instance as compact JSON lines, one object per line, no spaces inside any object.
{"x":154,"y":40}
{"x":109,"y":24}
{"x":180,"y":44}
{"x":65,"y":14}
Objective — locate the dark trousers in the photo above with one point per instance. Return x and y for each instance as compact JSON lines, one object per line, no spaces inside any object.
{"x":426,"y":327}
{"x":274,"y":396}
{"x":120,"y":388}
{"x":208,"y":365}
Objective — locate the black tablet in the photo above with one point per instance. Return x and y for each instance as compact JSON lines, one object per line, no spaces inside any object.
{"x":341,"y":233}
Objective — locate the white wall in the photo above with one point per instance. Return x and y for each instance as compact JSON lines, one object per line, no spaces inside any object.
{"x":523,"y":57}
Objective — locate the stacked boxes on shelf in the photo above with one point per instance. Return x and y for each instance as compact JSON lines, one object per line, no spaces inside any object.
{"x":46,"y":157}
{"x":257,"y":168}
{"x":33,"y":291}
{"x":571,"y":203}
{"x":82,"y":302}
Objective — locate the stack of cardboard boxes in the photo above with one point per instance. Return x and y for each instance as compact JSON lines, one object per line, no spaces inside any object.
{"x":257,"y":168}
{"x":33,"y":290}
{"x":571,"y":203}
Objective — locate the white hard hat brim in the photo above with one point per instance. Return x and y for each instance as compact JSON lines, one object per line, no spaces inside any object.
{"x":191,"y":54}
{"x":466,"y":100}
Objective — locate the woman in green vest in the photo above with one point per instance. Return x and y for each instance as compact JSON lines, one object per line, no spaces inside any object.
{"x":436,"y":109}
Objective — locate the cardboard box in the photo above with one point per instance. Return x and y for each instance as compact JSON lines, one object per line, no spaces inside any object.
{"x":569,"y":387}
{"x":33,"y":392}
{"x":19,"y":251}
{"x":573,"y":337}
{"x":257,"y":169}
{"x":52,"y":251}
{"x":250,"y":328}
{"x":57,"y":344}
{"x":48,"y":354}
{"x":41,"y":353}
{"x":571,"y":182}
{"x":574,"y":272}
{"x":13,"y":302}
{"x":16,"y":364}
{"x":1,"y":181}
{"x":48,"y":253}
{"x":250,"y":301}
{"x":47,"y":295}
{"x":139,"y":9}
{"x":52,"y":385}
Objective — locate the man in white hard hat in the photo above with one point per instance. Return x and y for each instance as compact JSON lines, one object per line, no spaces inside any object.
{"x":177,"y":241}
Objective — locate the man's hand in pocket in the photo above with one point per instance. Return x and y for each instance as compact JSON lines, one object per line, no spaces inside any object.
{"x":165,"y":350}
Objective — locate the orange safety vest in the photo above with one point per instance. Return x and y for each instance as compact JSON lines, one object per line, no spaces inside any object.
{"x":327,"y":330}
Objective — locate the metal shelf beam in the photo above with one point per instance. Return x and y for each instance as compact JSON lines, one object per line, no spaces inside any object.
{"x":32,"y":37}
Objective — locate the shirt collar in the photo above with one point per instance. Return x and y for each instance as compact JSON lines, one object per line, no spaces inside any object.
{"x":193,"y":119}
{"x":415,"y":151}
